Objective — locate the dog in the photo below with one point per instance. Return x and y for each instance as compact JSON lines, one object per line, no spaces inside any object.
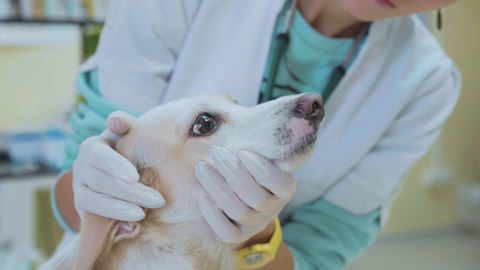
{"x":165,"y":144}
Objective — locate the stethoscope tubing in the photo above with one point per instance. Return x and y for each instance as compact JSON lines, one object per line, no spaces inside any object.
{"x":289,"y":16}
{"x":281,"y":44}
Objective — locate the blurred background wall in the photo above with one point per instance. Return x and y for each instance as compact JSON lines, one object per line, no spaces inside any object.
{"x":36,"y":83}
{"x":422,"y":207}
{"x":42,"y":43}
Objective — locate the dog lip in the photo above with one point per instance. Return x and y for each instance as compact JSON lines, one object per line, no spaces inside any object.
{"x":298,"y":149}
{"x":305,"y":146}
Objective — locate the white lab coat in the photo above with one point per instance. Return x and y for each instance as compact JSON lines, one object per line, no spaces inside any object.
{"x":384,"y":115}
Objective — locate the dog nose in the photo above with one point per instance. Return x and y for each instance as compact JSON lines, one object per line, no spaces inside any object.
{"x":310,"y":107}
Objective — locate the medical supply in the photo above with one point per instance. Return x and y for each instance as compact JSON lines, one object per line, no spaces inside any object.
{"x":25,"y":148}
{"x":468,"y":205}
{"x":5,"y":9}
{"x":44,"y":147}
{"x":20,"y":258}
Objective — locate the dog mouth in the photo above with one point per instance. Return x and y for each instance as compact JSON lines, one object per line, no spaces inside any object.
{"x":294,"y":153}
{"x":305,"y":146}
{"x":300,"y":148}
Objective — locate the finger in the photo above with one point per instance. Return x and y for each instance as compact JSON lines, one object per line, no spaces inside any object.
{"x":268,"y":175}
{"x":119,"y":122}
{"x":137,"y":193}
{"x":223,"y":196}
{"x":240,"y":181}
{"x":220,"y":224}
{"x":107,"y":206}
{"x":103,"y":157}
{"x":109,"y":137}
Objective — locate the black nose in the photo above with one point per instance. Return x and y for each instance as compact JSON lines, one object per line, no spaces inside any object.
{"x":310,"y":107}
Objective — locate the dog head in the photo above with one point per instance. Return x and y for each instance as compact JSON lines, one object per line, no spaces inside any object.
{"x":166,"y":143}
{"x":181,"y":133}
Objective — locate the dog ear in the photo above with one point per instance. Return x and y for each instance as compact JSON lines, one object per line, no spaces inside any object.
{"x":149,"y":177}
{"x":98,"y":235}
{"x":125,"y":230}
{"x":95,"y":241}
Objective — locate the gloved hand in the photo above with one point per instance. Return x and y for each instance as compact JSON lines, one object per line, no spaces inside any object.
{"x":245,"y":194}
{"x":104,"y":182}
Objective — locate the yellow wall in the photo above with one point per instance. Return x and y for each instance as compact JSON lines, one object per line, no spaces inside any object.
{"x":35,"y":83}
{"x":417,"y":208}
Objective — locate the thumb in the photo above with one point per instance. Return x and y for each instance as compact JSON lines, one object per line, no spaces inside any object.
{"x":120,"y":122}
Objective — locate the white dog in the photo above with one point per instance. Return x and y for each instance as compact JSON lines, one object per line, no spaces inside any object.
{"x":165,"y":144}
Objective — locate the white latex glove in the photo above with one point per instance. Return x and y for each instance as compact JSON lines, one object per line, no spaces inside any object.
{"x":245,"y":194}
{"x":104,"y":182}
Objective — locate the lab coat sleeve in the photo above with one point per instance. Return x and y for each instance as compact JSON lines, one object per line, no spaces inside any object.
{"x":324,"y":236}
{"x":89,"y":118}
{"x":130,"y":69}
{"x":374,"y":181}
{"x":138,"y":48}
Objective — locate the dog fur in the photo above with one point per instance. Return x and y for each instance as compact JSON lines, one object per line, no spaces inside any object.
{"x":164,"y":147}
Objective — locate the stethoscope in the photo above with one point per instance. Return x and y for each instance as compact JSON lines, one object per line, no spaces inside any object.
{"x":279,"y":45}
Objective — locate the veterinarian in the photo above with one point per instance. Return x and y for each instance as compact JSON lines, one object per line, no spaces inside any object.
{"x":387,"y":84}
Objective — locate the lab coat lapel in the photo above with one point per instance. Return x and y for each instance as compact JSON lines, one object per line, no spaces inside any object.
{"x":235,"y":70}
{"x":330,"y":159}
{"x":358,"y":125}
{"x":339,"y":111}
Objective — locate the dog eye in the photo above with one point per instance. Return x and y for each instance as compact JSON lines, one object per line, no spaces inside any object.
{"x":204,"y":124}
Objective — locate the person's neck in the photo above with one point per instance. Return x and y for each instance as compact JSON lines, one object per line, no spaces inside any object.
{"x":329,"y":19}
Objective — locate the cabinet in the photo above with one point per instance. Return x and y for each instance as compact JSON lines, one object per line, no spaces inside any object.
{"x":26,"y":219}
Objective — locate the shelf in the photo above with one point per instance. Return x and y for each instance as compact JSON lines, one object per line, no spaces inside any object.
{"x":46,"y":22}
{"x":9,"y":171}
